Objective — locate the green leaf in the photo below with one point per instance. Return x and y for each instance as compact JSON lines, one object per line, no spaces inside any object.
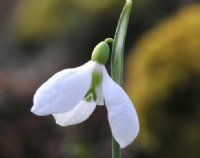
{"x":117,"y":57}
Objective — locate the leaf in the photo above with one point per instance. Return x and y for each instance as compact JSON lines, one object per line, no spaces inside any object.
{"x":117,"y":57}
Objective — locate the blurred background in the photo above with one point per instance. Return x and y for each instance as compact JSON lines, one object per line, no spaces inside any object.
{"x":162,"y":75}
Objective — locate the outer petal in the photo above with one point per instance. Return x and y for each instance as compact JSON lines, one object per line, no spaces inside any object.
{"x":63,"y":91}
{"x":78,"y":114}
{"x":122,"y":116}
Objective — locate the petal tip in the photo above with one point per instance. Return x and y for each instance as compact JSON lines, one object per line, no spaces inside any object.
{"x":58,"y":121}
{"x":38,"y":111}
{"x":34,"y":111}
{"x":127,"y":141}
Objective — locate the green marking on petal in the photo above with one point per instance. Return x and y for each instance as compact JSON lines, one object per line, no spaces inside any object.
{"x":97,"y":77}
{"x":91,"y":95}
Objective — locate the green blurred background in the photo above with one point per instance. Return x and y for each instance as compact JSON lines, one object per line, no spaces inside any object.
{"x":162,"y":75}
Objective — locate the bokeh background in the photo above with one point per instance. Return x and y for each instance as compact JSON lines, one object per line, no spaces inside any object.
{"x":162,"y":75}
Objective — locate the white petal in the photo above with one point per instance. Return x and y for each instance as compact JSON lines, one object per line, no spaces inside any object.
{"x":78,"y":114}
{"x":63,"y":91}
{"x":122,"y":116}
{"x":100,"y":98}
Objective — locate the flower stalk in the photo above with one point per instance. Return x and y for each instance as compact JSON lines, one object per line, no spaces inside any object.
{"x":117,"y":59}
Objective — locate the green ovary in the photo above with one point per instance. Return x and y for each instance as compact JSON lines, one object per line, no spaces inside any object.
{"x":101,"y":53}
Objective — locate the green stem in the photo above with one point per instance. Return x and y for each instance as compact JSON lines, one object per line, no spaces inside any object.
{"x":116,"y":152}
{"x":117,"y":58}
{"x":109,"y":40}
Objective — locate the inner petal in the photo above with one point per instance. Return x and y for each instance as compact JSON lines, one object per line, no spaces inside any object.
{"x":95,"y":93}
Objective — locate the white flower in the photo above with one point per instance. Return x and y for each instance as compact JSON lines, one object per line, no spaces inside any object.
{"x":71,"y":96}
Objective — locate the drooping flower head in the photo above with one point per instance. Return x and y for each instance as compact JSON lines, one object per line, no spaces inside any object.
{"x":71,"y":96}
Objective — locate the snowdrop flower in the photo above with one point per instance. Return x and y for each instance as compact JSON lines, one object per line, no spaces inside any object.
{"x":71,"y":96}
